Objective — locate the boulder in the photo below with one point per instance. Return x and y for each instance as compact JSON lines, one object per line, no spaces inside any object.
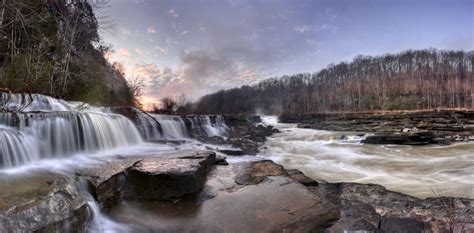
{"x":418,"y":138}
{"x":107,"y":180}
{"x":246,"y":145}
{"x":406,"y":225}
{"x":168,"y":178}
{"x":42,"y":202}
{"x":300,"y":177}
{"x":234,"y":152}
{"x":256,"y":172}
{"x":215,"y":140}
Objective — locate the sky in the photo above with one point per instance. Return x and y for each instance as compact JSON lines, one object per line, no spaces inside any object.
{"x":196,"y":47}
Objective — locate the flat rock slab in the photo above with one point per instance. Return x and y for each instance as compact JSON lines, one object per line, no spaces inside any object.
{"x":168,"y":178}
{"x":41,"y":202}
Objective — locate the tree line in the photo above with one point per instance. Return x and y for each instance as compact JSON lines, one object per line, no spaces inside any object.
{"x":53,"y":47}
{"x":409,"y":80}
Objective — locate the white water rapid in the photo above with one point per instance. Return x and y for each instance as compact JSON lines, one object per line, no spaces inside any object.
{"x":340,"y":157}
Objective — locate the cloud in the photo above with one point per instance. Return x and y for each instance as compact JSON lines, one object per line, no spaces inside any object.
{"x":123,"y":52}
{"x":163,"y":50}
{"x":124,"y":30}
{"x":173,"y":13}
{"x":151,"y":30}
{"x":302,"y":28}
{"x":314,"y":44}
{"x":203,"y":49}
{"x":139,"y":51}
{"x":202,"y":72}
{"x":146,"y":72}
{"x":328,"y":28}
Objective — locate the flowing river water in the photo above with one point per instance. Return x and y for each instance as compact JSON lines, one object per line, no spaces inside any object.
{"x":40,"y":133}
{"x":421,"y":171}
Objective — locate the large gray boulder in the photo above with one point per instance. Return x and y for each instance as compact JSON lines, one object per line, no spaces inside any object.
{"x":169,"y":178}
{"x":42,"y":202}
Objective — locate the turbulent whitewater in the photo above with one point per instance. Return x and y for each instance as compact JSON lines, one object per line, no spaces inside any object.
{"x":340,"y":157}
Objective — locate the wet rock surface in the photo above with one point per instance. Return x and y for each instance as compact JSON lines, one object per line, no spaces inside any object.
{"x":418,"y":138}
{"x":375,"y":207}
{"x":107,"y":181}
{"x":43,"y":202}
{"x":262,"y":196}
{"x":256,"y":172}
{"x":168,"y":178}
{"x":274,"y":204}
{"x":406,"y":128}
{"x":186,"y":192}
{"x":158,"y":177}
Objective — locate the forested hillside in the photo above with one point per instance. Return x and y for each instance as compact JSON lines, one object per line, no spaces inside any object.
{"x":53,"y":47}
{"x":410,"y":80}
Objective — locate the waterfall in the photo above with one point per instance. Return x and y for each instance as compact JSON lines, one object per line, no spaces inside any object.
{"x":16,"y":147}
{"x":168,"y":127}
{"x":159,"y":127}
{"x":207,"y":125}
{"x":34,"y":127}
{"x":44,"y":127}
{"x":33,"y":102}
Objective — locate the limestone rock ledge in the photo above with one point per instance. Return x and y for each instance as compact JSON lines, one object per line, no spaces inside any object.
{"x":43,"y":202}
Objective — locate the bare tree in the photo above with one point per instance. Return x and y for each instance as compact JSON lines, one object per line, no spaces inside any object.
{"x":135,"y":87}
{"x":169,"y":105}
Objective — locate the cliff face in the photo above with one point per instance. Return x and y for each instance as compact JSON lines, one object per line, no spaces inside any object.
{"x":54,"y":48}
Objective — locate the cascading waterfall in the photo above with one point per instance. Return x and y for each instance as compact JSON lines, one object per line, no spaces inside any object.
{"x":38,"y":126}
{"x":34,"y":102}
{"x":158,"y":127}
{"x":208,"y":125}
{"x":34,"y":127}
{"x":16,"y":147}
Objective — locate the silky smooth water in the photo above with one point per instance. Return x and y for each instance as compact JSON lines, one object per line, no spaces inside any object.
{"x":420,"y":171}
{"x":34,"y":127}
{"x":159,"y":126}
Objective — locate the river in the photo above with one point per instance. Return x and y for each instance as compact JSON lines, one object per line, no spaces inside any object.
{"x":41,"y":133}
{"x":421,"y":171}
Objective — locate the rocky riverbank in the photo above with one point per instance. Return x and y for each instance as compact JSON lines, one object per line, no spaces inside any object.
{"x":188,"y":191}
{"x":409,"y":128}
{"x":245,"y":133}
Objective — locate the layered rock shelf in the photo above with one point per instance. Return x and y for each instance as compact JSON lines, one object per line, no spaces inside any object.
{"x":408,"y":128}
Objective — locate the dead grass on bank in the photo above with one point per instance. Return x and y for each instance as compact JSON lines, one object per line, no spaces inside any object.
{"x":451,"y":198}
